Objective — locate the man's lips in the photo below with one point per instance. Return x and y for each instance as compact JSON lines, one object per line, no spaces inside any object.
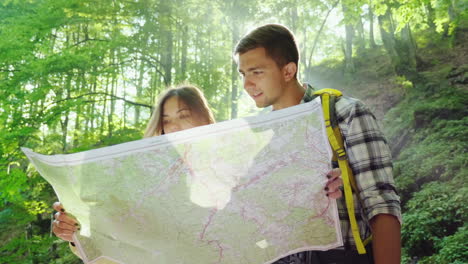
{"x":256,"y":95}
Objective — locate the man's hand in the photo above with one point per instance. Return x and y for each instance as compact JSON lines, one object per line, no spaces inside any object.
{"x":334,"y":183}
{"x":63,"y":226}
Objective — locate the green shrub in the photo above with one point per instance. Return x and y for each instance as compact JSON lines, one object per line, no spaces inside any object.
{"x":435,"y":212}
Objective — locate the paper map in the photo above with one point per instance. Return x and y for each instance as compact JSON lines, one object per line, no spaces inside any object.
{"x":243,"y":191}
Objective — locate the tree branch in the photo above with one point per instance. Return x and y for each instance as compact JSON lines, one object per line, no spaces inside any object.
{"x":155,"y":68}
{"x":320,"y":32}
{"x":86,"y":40}
{"x":106,"y":94}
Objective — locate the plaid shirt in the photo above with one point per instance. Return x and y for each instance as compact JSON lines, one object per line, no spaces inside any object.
{"x":371,"y":162}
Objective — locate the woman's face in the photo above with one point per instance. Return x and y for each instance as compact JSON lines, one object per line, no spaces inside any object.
{"x":177,"y":116}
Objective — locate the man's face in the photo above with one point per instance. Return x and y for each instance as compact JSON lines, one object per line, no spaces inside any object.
{"x":263,"y":79}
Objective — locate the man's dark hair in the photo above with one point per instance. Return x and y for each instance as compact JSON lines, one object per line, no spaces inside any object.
{"x":278,"y":41}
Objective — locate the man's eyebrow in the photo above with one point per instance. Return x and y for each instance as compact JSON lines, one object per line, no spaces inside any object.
{"x":251,"y":69}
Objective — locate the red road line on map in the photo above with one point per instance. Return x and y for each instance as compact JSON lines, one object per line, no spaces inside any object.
{"x":321,"y":214}
{"x":210,"y":218}
{"x":221,"y":249}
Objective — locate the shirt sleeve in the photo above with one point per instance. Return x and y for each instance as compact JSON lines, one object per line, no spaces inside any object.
{"x":369,"y":157}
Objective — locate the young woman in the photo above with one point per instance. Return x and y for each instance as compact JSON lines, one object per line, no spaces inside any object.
{"x":179,"y":108}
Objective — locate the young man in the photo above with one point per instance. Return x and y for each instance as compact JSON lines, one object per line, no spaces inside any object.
{"x":267,"y":59}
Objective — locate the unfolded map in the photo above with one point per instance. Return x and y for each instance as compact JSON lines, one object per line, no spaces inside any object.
{"x":242,"y":191}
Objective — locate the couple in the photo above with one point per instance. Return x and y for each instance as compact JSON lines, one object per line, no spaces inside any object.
{"x":267,"y":59}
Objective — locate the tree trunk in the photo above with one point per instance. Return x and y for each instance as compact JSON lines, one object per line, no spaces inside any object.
{"x":64,"y":121}
{"x":308,"y":69}
{"x":104,"y":108}
{"x":110,"y":117}
{"x":139,"y":87}
{"x":77,"y":132}
{"x":93,"y":104}
{"x":28,"y":235}
{"x":303,"y":55}
{"x":183,"y":64}
{"x":349,"y":64}
{"x":168,"y":58}
{"x":293,"y":15}
{"x":361,"y":41}
{"x":166,"y":30}
{"x":452,"y":11}
{"x":452,"y":16}
{"x":388,"y":39}
{"x":407,"y":53}
{"x":234,"y":73}
{"x":402,"y":51}
{"x":371,"y":27}
{"x":430,"y":16}
{"x":141,"y":72}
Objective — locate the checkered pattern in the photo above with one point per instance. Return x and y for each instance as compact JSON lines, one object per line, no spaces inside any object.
{"x":370,"y":160}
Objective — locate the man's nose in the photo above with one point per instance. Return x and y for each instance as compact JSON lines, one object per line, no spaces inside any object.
{"x":248,"y":83}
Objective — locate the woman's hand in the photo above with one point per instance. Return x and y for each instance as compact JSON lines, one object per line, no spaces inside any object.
{"x":334,"y":183}
{"x":63,"y":226}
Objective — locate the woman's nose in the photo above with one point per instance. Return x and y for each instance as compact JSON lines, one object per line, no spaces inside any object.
{"x":174,"y":128}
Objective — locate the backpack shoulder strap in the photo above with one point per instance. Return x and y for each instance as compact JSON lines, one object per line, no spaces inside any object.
{"x":328,"y":97}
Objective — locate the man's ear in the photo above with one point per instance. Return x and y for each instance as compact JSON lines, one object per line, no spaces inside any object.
{"x":289,"y":70}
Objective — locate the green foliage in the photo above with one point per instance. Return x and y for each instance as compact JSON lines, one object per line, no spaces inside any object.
{"x":36,"y":207}
{"x":435,"y":212}
{"x":403,"y":83}
{"x":438,"y":149}
{"x":453,"y":248}
{"x":77,"y":75}
{"x":37,"y":249}
{"x":430,"y":171}
{"x":119,"y":136}
{"x":24,"y":199}
{"x":12,"y":185}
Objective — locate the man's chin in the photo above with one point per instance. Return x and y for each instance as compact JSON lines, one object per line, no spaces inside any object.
{"x":261,"y":103}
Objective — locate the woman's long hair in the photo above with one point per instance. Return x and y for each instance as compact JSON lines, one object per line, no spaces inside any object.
{"x":188,"y":94}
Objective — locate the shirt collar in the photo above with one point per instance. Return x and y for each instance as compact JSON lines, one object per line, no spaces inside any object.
{"x":309,"y":93}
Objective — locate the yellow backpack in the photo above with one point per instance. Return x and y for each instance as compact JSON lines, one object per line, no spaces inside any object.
{"x":328,"y":97}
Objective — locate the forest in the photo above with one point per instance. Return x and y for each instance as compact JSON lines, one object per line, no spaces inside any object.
{"x":83,"y":74}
